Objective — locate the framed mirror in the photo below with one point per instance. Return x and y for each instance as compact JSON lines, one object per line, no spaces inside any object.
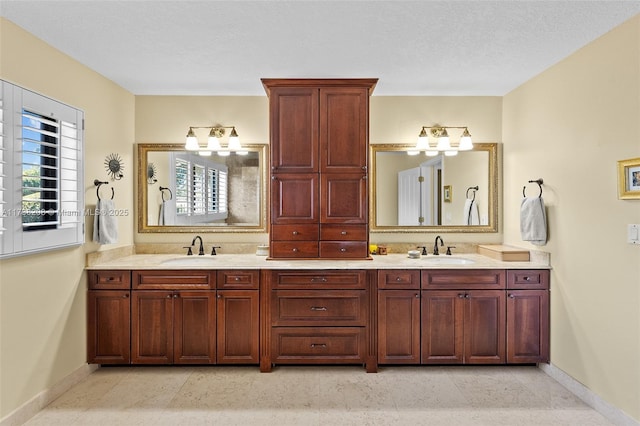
{"x":410,"y":193}
{"x":201,"y":194}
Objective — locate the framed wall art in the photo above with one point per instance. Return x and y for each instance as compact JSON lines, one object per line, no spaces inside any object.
{"x":629,"y":179}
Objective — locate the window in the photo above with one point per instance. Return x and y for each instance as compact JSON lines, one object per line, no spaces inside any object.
{"x":200,"y":189}
{"x":40,"y":173}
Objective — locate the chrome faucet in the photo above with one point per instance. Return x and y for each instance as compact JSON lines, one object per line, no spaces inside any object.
{"x":201,"y":249}
{"x":435,"y":246}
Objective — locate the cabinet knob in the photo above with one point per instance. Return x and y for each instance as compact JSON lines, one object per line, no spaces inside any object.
{"x":125,"y":296}
{"x":417,"y":296}
{"x":237,"y":278}
{"x":343,"y":233}
{"x":467,"y":296}
{"x":219,"y":296}
{"x":175,"y":296}
{"x":364,"y":168}
{"x":295,"y":250}
{"x":343,"y":249}
{"x":460,"y":295}
{"x":398,"y":279}
{"x":295,"y":232}
{"x":527,"y":278}
{"x":168,"y":296}
{"x":512,"y":296}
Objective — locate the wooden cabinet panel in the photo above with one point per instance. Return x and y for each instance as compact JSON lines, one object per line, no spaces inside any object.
{"x":109,"y":280}
{"x":238,"y":279}
{"x":344,"y":116}
{"x":108,"y":327}
{"x":322,"y":345}
{"x":399,"y":326}
{"x":294,"y":198}
{"x":174,"y":279}
{"x":238,"y":327}
{"x":319,"y":308}
{"x":343,"y":249}
{"x":442,"y":327}
{"x":194,"y":327}
{"x":399,"y":279}
{"x":343,"y":198}
{"x":485,"y":327}
{"x":294,"y":232}
{"x":463,"y":279}
{"x":527,"y":326}
{"x":151,"y":327}
{"x":318,"y":279}
{"x":294,"y":120}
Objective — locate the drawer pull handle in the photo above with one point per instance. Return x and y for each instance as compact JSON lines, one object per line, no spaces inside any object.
{"x":318,"y":279}
{"x":398,"y":279}
{"x":343,"y":233}
{"x":318,"y":345}
{"x":318,"y":308}
{"x":237,"y":278}
{"x":295,"y":232}
{"x":527,"y":278}
{"x":111,"y":278}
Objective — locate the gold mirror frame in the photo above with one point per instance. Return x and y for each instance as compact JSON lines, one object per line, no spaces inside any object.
{"x":492,"y":226}
{"x":143,"y":227}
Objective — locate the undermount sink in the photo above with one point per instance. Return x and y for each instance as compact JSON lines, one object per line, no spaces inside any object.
{"x":446,"y":260}
{"x":190,"y":261}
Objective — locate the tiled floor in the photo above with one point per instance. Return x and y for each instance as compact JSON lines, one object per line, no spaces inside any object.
{"x":460,"y":395}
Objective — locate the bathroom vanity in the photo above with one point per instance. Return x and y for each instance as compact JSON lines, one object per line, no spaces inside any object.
{"x":243,"y":309}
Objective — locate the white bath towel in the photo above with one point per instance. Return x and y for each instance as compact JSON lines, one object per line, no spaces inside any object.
{"x":161,"y":215}
{"x":533,"y":221}
{"x":471,"y":215}
{"x":105,"y":223}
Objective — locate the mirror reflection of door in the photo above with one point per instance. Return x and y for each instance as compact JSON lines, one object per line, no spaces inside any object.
{"x":419,"y":194}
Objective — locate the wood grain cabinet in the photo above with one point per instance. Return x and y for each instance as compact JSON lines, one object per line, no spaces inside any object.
{"x":319,"y":166}
{"x":109,"y":317}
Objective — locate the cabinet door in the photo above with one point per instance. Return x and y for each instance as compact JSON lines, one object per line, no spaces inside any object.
{"x":343,"y":129}
{"x":527,"y":326}
{"x":238,"y":327}
{"x":294,"y":130}
{"x":485,"y":327}
{"x":442,"y":327}
{"x":194,"y":327}
{"x":108,"y":327}
{"x":151,"y":327}
{"x":398,"y":326}
{"x":343,"y":198}
{"x":294,"y":198}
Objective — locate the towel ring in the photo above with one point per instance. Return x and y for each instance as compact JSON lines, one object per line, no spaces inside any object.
{"x":98,"y":183}
{"x":539,"y":182}
{"x":474,"y":188}
{"x":162,"y":189}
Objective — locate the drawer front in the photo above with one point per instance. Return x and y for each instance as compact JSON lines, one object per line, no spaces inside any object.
{"x":535,"y":279}
{"x":319,"y":308}
{"x":294,"y":232}
{"x":341,"y":345}
{"x":238,"y":279}
{"x":344,"y":249}
{"x":343,"y":232}
{"x":174,"y":279}
{"x":294,"y":249}
{"x":482,"y":279}
{"x":399,"y":278}
{"x":320,"y":279}
{"x":109,"y":280}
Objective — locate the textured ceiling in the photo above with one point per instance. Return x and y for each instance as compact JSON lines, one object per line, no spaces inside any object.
{"x":225,"y":47}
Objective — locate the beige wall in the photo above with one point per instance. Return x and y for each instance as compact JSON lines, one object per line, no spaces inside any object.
{"x":42,"y":297}
{"x":569,"y":126}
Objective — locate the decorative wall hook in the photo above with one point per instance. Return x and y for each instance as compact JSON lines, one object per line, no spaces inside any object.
{"x":113,"y":165}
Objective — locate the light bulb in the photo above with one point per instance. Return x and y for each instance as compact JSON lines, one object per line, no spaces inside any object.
{"x":465,"y":141}
{"x":192,"y":142}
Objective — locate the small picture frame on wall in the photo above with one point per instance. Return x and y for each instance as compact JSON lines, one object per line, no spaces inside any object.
{"x":446,"y":194}
{"x":629,"y":179}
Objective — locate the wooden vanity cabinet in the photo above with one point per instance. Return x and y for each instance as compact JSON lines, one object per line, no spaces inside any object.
{"x":527,"y":316}
{"x":463,"y":317}
{"x":398,"y":316}
{"x":319,"y":164}
{"x":108,"y":317}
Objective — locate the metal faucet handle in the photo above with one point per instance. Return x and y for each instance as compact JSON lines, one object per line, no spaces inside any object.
{"x":213,"y":250}
{"x":424,"y":250}
{"x":189,"y":252}
{"x":449,"y":250}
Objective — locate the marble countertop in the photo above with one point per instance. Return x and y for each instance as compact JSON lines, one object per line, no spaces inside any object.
{"x":251,"y":261}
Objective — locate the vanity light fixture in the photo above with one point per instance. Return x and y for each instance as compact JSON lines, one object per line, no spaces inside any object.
{"x":442,"y":141}
{"x":213,"y":141}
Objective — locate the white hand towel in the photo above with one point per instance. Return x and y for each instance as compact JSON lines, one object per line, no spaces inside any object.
{"x":105,"y":223}
{"x":533,"y":221}
{"x":471,"y":216}
{"x":161,"y":218}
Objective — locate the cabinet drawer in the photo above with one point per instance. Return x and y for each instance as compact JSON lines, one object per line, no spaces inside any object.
{"x":342,"y":345}
{"x":319,"y":308}
{"x":296,"y":232}
{"x":343,"y":232}
{"x":320,"y":279}
{"x":483,"y":279}
{"x":399,"y":278}
{"x":109,"y":280}
{"x":294,"y":249}
{"x":174,"y":279}
{"x":238,"y":279}
{"x":344,"y":249}
{"x":535,"y":279}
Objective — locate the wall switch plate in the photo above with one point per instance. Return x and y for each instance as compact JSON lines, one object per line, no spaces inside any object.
{"x":633,"y":234}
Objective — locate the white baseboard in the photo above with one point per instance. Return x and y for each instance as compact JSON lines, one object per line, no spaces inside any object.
{"x":30,"y":408}
{"x":613,"y":414}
